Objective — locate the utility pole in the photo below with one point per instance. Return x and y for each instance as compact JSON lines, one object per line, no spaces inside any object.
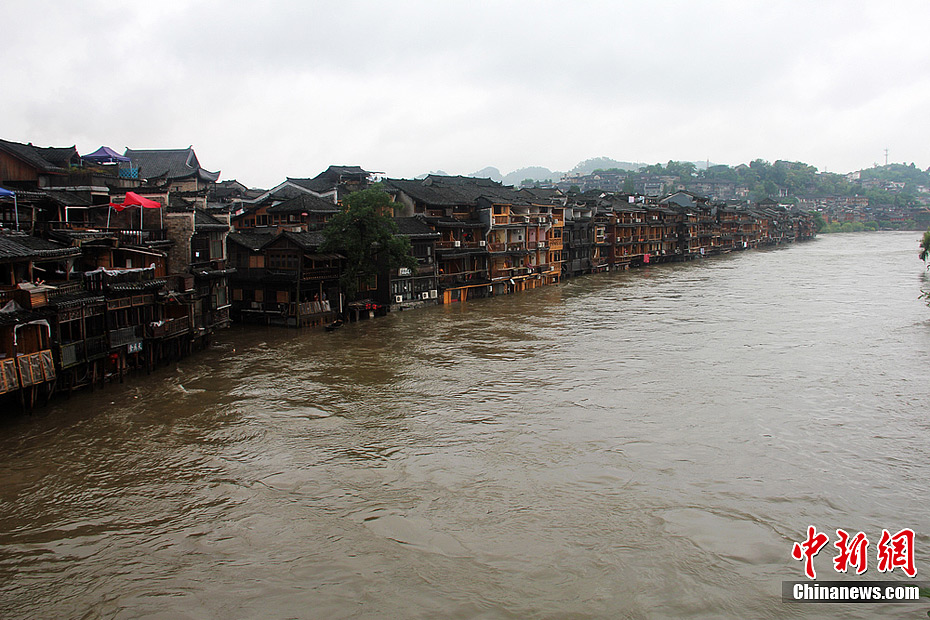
{"x":886,"y":157}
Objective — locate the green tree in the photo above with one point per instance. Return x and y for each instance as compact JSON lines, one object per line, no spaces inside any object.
{"x":365,"y":234}
{"x":924,"y":254}
{"x":819,"y":222}
{"x":682,"y":169}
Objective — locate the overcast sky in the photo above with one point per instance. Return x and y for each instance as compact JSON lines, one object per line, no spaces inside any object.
{"x":269,"y":89}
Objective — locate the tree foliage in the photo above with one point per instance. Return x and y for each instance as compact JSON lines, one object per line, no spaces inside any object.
{"x":924,"y":253}
{"x":365,"y":233}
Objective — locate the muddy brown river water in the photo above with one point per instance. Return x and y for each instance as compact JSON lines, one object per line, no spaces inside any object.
{"x":646,"y":444}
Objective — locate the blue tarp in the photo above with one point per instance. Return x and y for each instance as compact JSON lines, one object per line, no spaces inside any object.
{"x":5,"y":192}
{"x":106,"y":155}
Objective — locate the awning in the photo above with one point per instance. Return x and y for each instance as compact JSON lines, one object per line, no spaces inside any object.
{"x":135,"y":200}
{"x":106,"y":155}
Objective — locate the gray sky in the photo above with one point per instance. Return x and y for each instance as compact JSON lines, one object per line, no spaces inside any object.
{"x":269,"y":89}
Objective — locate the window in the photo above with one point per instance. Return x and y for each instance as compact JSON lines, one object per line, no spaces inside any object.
{"x":369,"y":285}
{"x":220,"y":300}
{"x":286,"y":261}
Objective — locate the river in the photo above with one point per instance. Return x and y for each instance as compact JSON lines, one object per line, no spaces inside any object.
{"x":641,"y":444}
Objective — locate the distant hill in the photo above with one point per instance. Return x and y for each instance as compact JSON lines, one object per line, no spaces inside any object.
{"x":537,"y":173}
{"x":604,"y":163}
{"x":540,"y":173}
{"x":490,"y":172}
{"x":436,"y":172}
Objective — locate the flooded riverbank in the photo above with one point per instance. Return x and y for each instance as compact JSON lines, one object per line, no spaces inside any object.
{"x":638,"y":444}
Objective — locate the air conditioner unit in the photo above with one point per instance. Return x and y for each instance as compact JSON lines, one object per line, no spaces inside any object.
{"x":457,"y":244}
{"x":434,"y":294}
{"x":424,"y":295}
{"x":481,"y":244}
{"x":398,"y":299}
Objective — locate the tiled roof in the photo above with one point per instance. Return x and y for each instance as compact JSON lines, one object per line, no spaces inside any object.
{"x":336,"y":174}
{"x":251,"y":240}
{"x":546,"y":195}
{"x":204,"y":221}
{"x":45,"y":159}
{"x":444,"y":191}
{"x":15,"y":246}
{"x":307,"y":240}
{"x":19,"y":317}
{"x":414,"y":227}
{"x":70,"y":199}
{"x":317,"y":184}
{"x":173,"y":163}
{"x":304,"y":203}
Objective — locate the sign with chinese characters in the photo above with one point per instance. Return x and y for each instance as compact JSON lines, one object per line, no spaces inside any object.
{"x":892,"y":551}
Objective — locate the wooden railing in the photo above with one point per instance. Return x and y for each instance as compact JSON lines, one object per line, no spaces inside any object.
{"x":97,"y":346}
{"x":35,"y":368}
{"x":168,"y":328}
{"x":123,"y":336}
{"x":310,"y":308}
{"x":71,"y":353}
{"x":320,"y":273}
{"x":9,"y":377}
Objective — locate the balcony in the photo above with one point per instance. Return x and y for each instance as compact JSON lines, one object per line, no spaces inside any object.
{"x":35,"y":368}
{"x":96,"y":347}
{"x":168,"y":328}
{"x":62,"y":289}
{"x":125,"y":235}
{"x":9,"y":378}
{"x":310,"y":308}
{"x":71,"y":354}
{"x":123,"y":336}
{"x":218,"y":318}
{"x":25,"y":370}
{"x":130,"y":302}
{"x":320,"y":273}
